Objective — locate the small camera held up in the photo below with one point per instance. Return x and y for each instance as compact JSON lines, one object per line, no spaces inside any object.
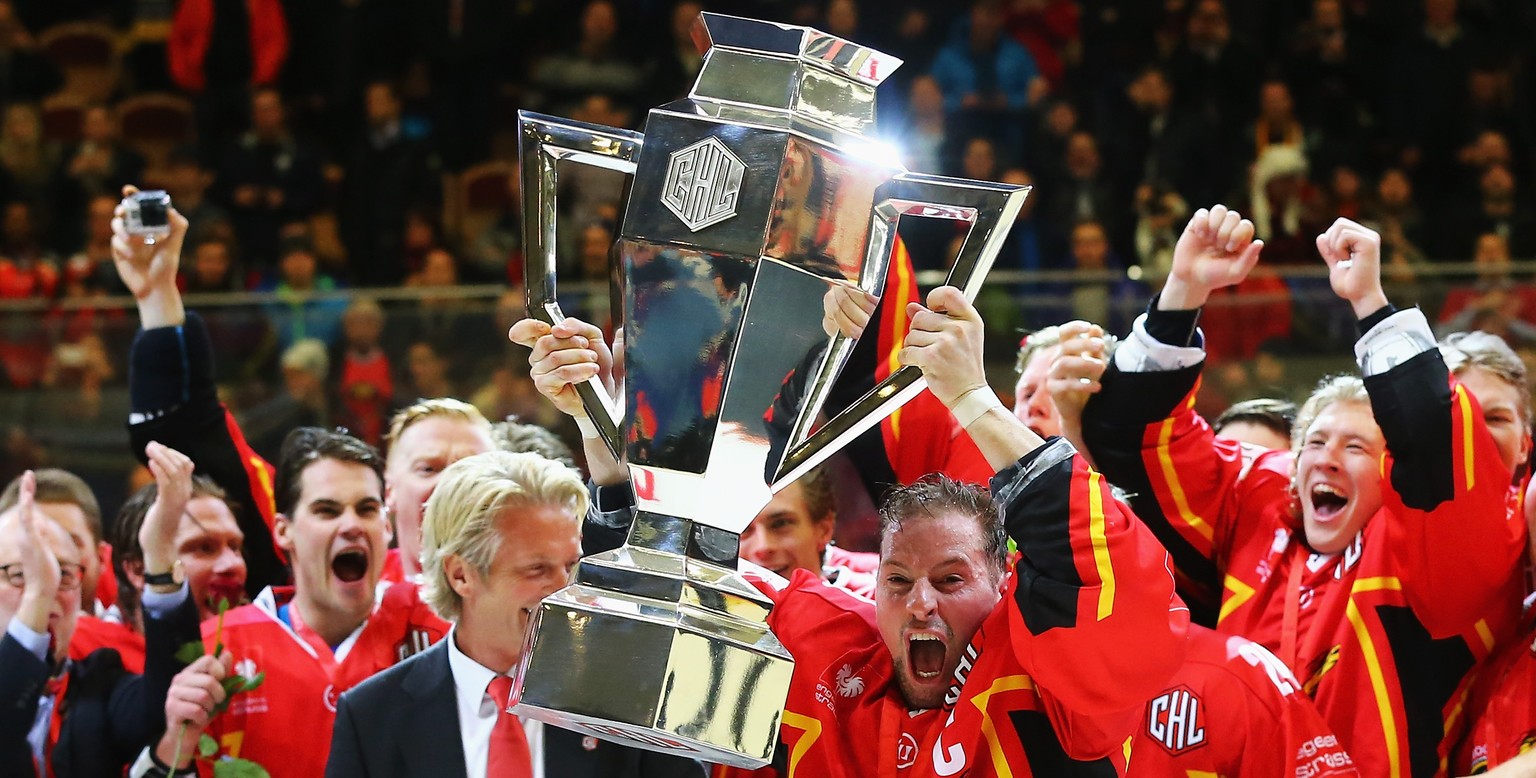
{"x":147,"y":214}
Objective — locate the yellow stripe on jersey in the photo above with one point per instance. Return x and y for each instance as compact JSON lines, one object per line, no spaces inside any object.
{"x":1008,"y":683}
{"x":812,"y":728}
{"x":1464,"y":404}
{"x":1373,"y":668}
{"x":1096,"y":533}
{"x":1176,"y":487}
{"x":1485,"y":634}
{"x":1241,"y":593}
{"x":264,"y":480}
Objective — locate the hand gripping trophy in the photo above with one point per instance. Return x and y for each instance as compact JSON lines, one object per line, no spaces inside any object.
{"x":751,"y":198}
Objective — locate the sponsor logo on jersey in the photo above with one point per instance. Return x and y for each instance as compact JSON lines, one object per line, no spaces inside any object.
{"x":1479,"y":759}
{"x":849,"y":684}
{"x":1320,"y":755}
{"x":1176,"y":720}
{"x":415,"y":642}
{"x":246,"y":668}
{"x":330,"y":696}
{"x":906,"y":751}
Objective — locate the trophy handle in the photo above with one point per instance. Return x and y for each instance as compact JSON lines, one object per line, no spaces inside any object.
{"x":545,"y":141}
{"x":991,"y":209}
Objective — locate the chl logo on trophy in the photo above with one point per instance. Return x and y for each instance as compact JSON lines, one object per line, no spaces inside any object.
{"x":702,"y":183}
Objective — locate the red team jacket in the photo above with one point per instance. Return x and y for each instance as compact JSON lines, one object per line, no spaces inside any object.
{"x":1383,"y":632}
{"x":1047,"y":686}
{"x":1234,"y":709}
{"x":285,"y":724}
{"x":1504,"y":702}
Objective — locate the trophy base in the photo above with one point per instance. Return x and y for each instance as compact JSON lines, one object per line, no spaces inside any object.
{"x":679,"y":661}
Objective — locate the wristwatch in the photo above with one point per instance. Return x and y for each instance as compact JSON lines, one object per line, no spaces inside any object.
{"x":171,"y":577}
{"x":149,"y":766}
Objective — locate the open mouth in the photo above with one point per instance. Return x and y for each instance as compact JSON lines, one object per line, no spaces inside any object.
{"x":925,"y":653}
{"x":350,"y":565}
{"x":1327,"y":502}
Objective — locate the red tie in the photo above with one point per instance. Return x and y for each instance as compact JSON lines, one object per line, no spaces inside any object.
{"x":509,"y":757}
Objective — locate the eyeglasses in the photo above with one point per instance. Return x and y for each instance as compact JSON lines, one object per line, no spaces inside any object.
{"x":70,"y":575}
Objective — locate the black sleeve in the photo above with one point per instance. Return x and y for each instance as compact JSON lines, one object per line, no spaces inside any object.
{"x":163,"y":637}
{"x":657,"y":765}
{"x":1114,"y":425}
{"x":175,"y":402}
{"x":22,"y":676}
{"x":1412,"y":404}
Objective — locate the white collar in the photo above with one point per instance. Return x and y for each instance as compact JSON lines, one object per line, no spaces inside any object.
{"x":469,"y":676}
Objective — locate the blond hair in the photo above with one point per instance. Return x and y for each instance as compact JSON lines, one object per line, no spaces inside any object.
{"x":461,"y":518}
{"x":1330,"y":390}
{"x":1463,"y":351}
{"x":443,"y":407}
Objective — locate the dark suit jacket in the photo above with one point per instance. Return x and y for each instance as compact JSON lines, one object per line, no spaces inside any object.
{"x":404,"y":722}
{"x":110,"y":713}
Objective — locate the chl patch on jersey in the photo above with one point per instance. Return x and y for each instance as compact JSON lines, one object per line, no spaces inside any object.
{"x":1176,"y":720}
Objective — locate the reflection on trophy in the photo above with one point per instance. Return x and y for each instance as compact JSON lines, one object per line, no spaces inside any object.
{"x":751,"y":199}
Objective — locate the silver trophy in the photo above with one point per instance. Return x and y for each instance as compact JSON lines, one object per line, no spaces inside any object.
{"x":750,"y":200}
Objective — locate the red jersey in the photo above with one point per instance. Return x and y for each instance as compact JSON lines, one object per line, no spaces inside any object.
{"x":92,"y":633}
{"x":1503,"y":708}
{"x":1234,"y":709}
{"x":1046,"y":684}
{"x":393,"y":572}
{"x":285,"y":724}
{"x":1382,"y":633}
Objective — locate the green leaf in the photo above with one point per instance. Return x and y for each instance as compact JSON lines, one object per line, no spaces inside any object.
{"x":238,"y":768}
{"x":189,"y":652}
{"x":232,"y":684}
{"x":207,"y":746}
{"x":251,"y":684}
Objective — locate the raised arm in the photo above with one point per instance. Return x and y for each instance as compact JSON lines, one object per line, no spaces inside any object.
{"x":1457,"y":535}
{"x":1139,"y":423}
{"x":173,"y":397}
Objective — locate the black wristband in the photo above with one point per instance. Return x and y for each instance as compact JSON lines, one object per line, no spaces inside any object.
{"x":1367,"y":323}
{"x":163,"y":770}
{"x":167,"y":578}
{"x":1175,"y":328}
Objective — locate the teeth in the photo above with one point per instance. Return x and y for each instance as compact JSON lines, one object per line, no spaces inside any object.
{"x":1326,"y":489}
{"x":928,"y":675}
{"x":934,"y":638}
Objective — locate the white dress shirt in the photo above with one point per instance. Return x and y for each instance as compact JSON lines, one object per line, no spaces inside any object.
{"x":477,"y":713}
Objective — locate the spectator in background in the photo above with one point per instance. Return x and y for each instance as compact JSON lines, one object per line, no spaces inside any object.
{"x":1085,"y":193}
{"x":464,"y":49}
{"x":26,"y":270}
{"x":596,"y":63}
{"x":1155,"y":142}
{"x":1214,"y":75}
{"x":427,"y":374}
{"x":1104,"y":294}
{"x":980,"y":160}
{"x":267,"y":178}
{"x":387,"y":175}
{"x":1343,"y":195}
{"x":89,"y":271}
{"x":1048,"y":29}
{"x":301,"y":403}
{"x":496,"y":254}
{"x":98,"y":164}
{"x":1494,"y":208}
{"x":1280,"y":203}
{"x":1021,"y":249}
{"x":28,"y":161}
{"x":299,"y":314}
{"x":1426,"y":91}
{"x":925,"y":136}
{"x":440,"y":316}
{"x":1394,"y":214}
{"x":187,"y":182}
{"x":515,"y":437}
{"x":1048,"y":147}
{"x":1159,"y":211}
{"x":218,"y":51}
{"x":1263,"y":422}
{"x":214,"y":269}
{"x":1331,"y":69}
{"x":677,"y":64}
{"x":1277,"y":124}
{"x":1495,"y":302}
{"x":988,"y":80}
{"x":365,"y":386}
